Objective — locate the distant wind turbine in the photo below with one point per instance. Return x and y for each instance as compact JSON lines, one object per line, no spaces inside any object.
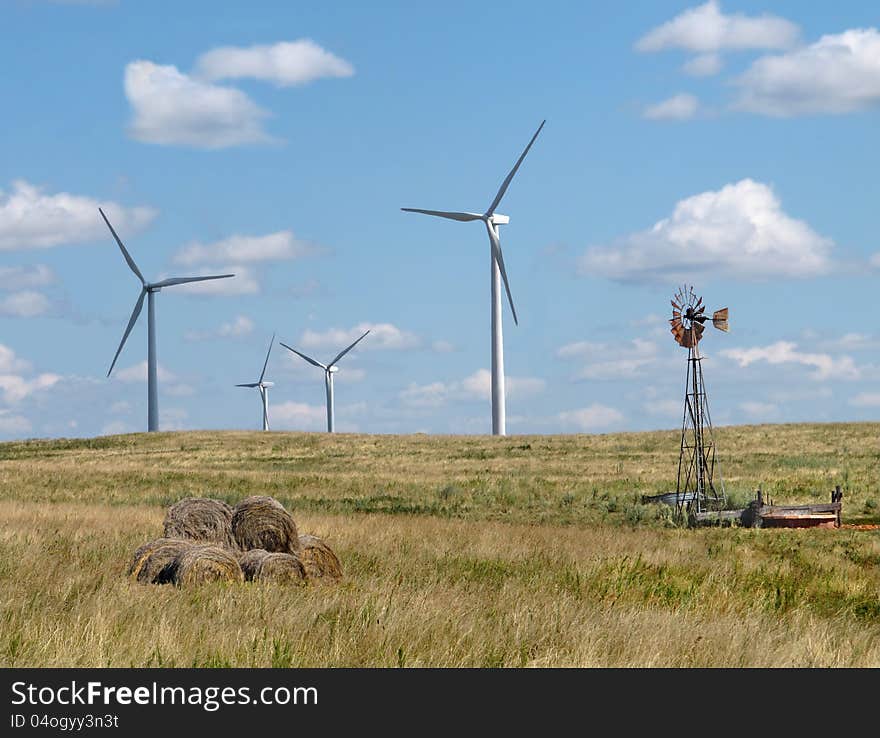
{"x":149,"y":289}
{"x":329,"y":370}
{"x":493,"y":220}
{"x":263,"y":387}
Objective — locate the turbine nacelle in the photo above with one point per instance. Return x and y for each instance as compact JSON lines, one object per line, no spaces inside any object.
{"x":266,"y":385}
{"x":332,"y":369}
{"x":499,"y":219}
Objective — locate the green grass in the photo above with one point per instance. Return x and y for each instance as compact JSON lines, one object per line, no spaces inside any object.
{"x":458,"y":551}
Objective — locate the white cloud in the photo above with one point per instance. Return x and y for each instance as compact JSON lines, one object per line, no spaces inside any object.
{"x":665,"y":408}
{"x":785,"y":352}
{"x":839,"y":73}
{"x":739,"y":231}
{"x":298,"y":416}
{"x":866,"y":399}
{"x":382,"y":336}
{"x":239,"y":249}
{"x":677,"y":107}
{"x":594,"y":417}
{"x":169,"y":107}
{"x":245,"y":282}
{"x":240,"y":326}
{"x":704,"y":65}
{"x":475,"y":386}
{"x":13,"y":424}
{"x":442,"y":347}
{"x":10,"y":363}
{"x":759,"y":410}
{"x":138,"y":373}
{"x":617,"y":360}
{"x":706,"y":28}
{"x":15,"y":388}
{"x":32,"y":219}
{"x":24,"y":304}
{"x":285,"y":64}
{"x":22,"y":277}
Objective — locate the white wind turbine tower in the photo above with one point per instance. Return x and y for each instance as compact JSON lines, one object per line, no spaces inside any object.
{"x":149,"y":290}
{"x":493,"y":220}
{"x":329,"y":370}
{"x":263,"y":387}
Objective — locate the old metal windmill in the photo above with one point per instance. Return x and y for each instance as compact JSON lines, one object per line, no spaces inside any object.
{"x":696,"y":490}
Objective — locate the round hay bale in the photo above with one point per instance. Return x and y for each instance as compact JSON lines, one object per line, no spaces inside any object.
{"x":200,"y":519}
{"x":153,"y":562}
{"x":318,"y":558}
{"x":202,"y":563}
{"x":249,"y":561}
{"x":262,"y":522}
{"x":260,"y":565}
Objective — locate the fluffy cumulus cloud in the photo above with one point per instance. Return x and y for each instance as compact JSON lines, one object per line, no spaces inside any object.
{"x":704,"y":65}
{"x":677,"y":107}
{"x":12,"y":424}
{"x":170,"y":107}
{"x":382,"y":336}
{"x":839,"y":73}
{"x":24,"y":304}
{"x":739,"y":231}
{"x":238,"y":327}
{"x":475,"y":386}
{"x":824,"y":366}
{"x":238,"y":249}
{"x":706,"y":29}
{"x":592,"y":418}
{"x":285,"y":64}
{"x":15,"y":382}
{"x":755,"y":410}
{"x":31,"y":218}
{"x":20,"y":277}
{"x":618,"y":360}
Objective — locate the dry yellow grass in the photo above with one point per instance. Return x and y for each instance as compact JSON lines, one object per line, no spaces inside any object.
{"x":449,"y":559}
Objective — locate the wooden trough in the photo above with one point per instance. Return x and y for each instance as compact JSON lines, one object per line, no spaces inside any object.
{"x":767,"y":515}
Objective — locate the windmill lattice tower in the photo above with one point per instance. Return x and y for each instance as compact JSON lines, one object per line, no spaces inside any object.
{"x":696,"y":489}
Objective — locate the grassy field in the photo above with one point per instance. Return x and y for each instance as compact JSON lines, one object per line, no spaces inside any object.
{"x":458,"y":551}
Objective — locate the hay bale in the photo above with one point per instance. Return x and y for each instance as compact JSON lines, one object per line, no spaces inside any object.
{"x":200,"y":519}
{"x":262,"y":522}
{"x":154,"y":561}
{"x":318,"y":558}
{"x":260,"y":565}
{"x":206,"y":562}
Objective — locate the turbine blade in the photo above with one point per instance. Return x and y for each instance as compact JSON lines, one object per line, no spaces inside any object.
{"x":464,"y":217}
{"x":496,"y":250}
{"x":131,"y":264}
{"x":183,"y":280}
{"x":507,"y":180}
{"x":307,"y":358}
{"x":251,"y":384}
{"x":343,"y":353}
{"x":131,"y":321}
{"x":265,"y":363}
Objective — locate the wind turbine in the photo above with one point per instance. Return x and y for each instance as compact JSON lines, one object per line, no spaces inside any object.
{"x":329,"y":370}
{"x":263,"y":387}
{"x":149,"y":289}
{"x":493,"y":220}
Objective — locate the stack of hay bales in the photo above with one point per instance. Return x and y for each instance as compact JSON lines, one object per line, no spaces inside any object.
{"x":206,"y":540}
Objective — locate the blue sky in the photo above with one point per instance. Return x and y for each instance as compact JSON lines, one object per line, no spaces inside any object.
{"x":730,"y":144}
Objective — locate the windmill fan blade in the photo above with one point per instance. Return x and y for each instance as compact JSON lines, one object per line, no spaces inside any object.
{"x":720,"y":320}
{"x":184,"y":280}
{"x":266,"y":363}
{"x":496,"y":250}
{"x":251,"y":384}
{"x":128,"y":259}
{"x":131,"y":321}
{"x":675,"y":304}
{"x":464,"y":217}
{"x":345,"y":351}
{"x":307,"y":358}
{"x":509,"y":177}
